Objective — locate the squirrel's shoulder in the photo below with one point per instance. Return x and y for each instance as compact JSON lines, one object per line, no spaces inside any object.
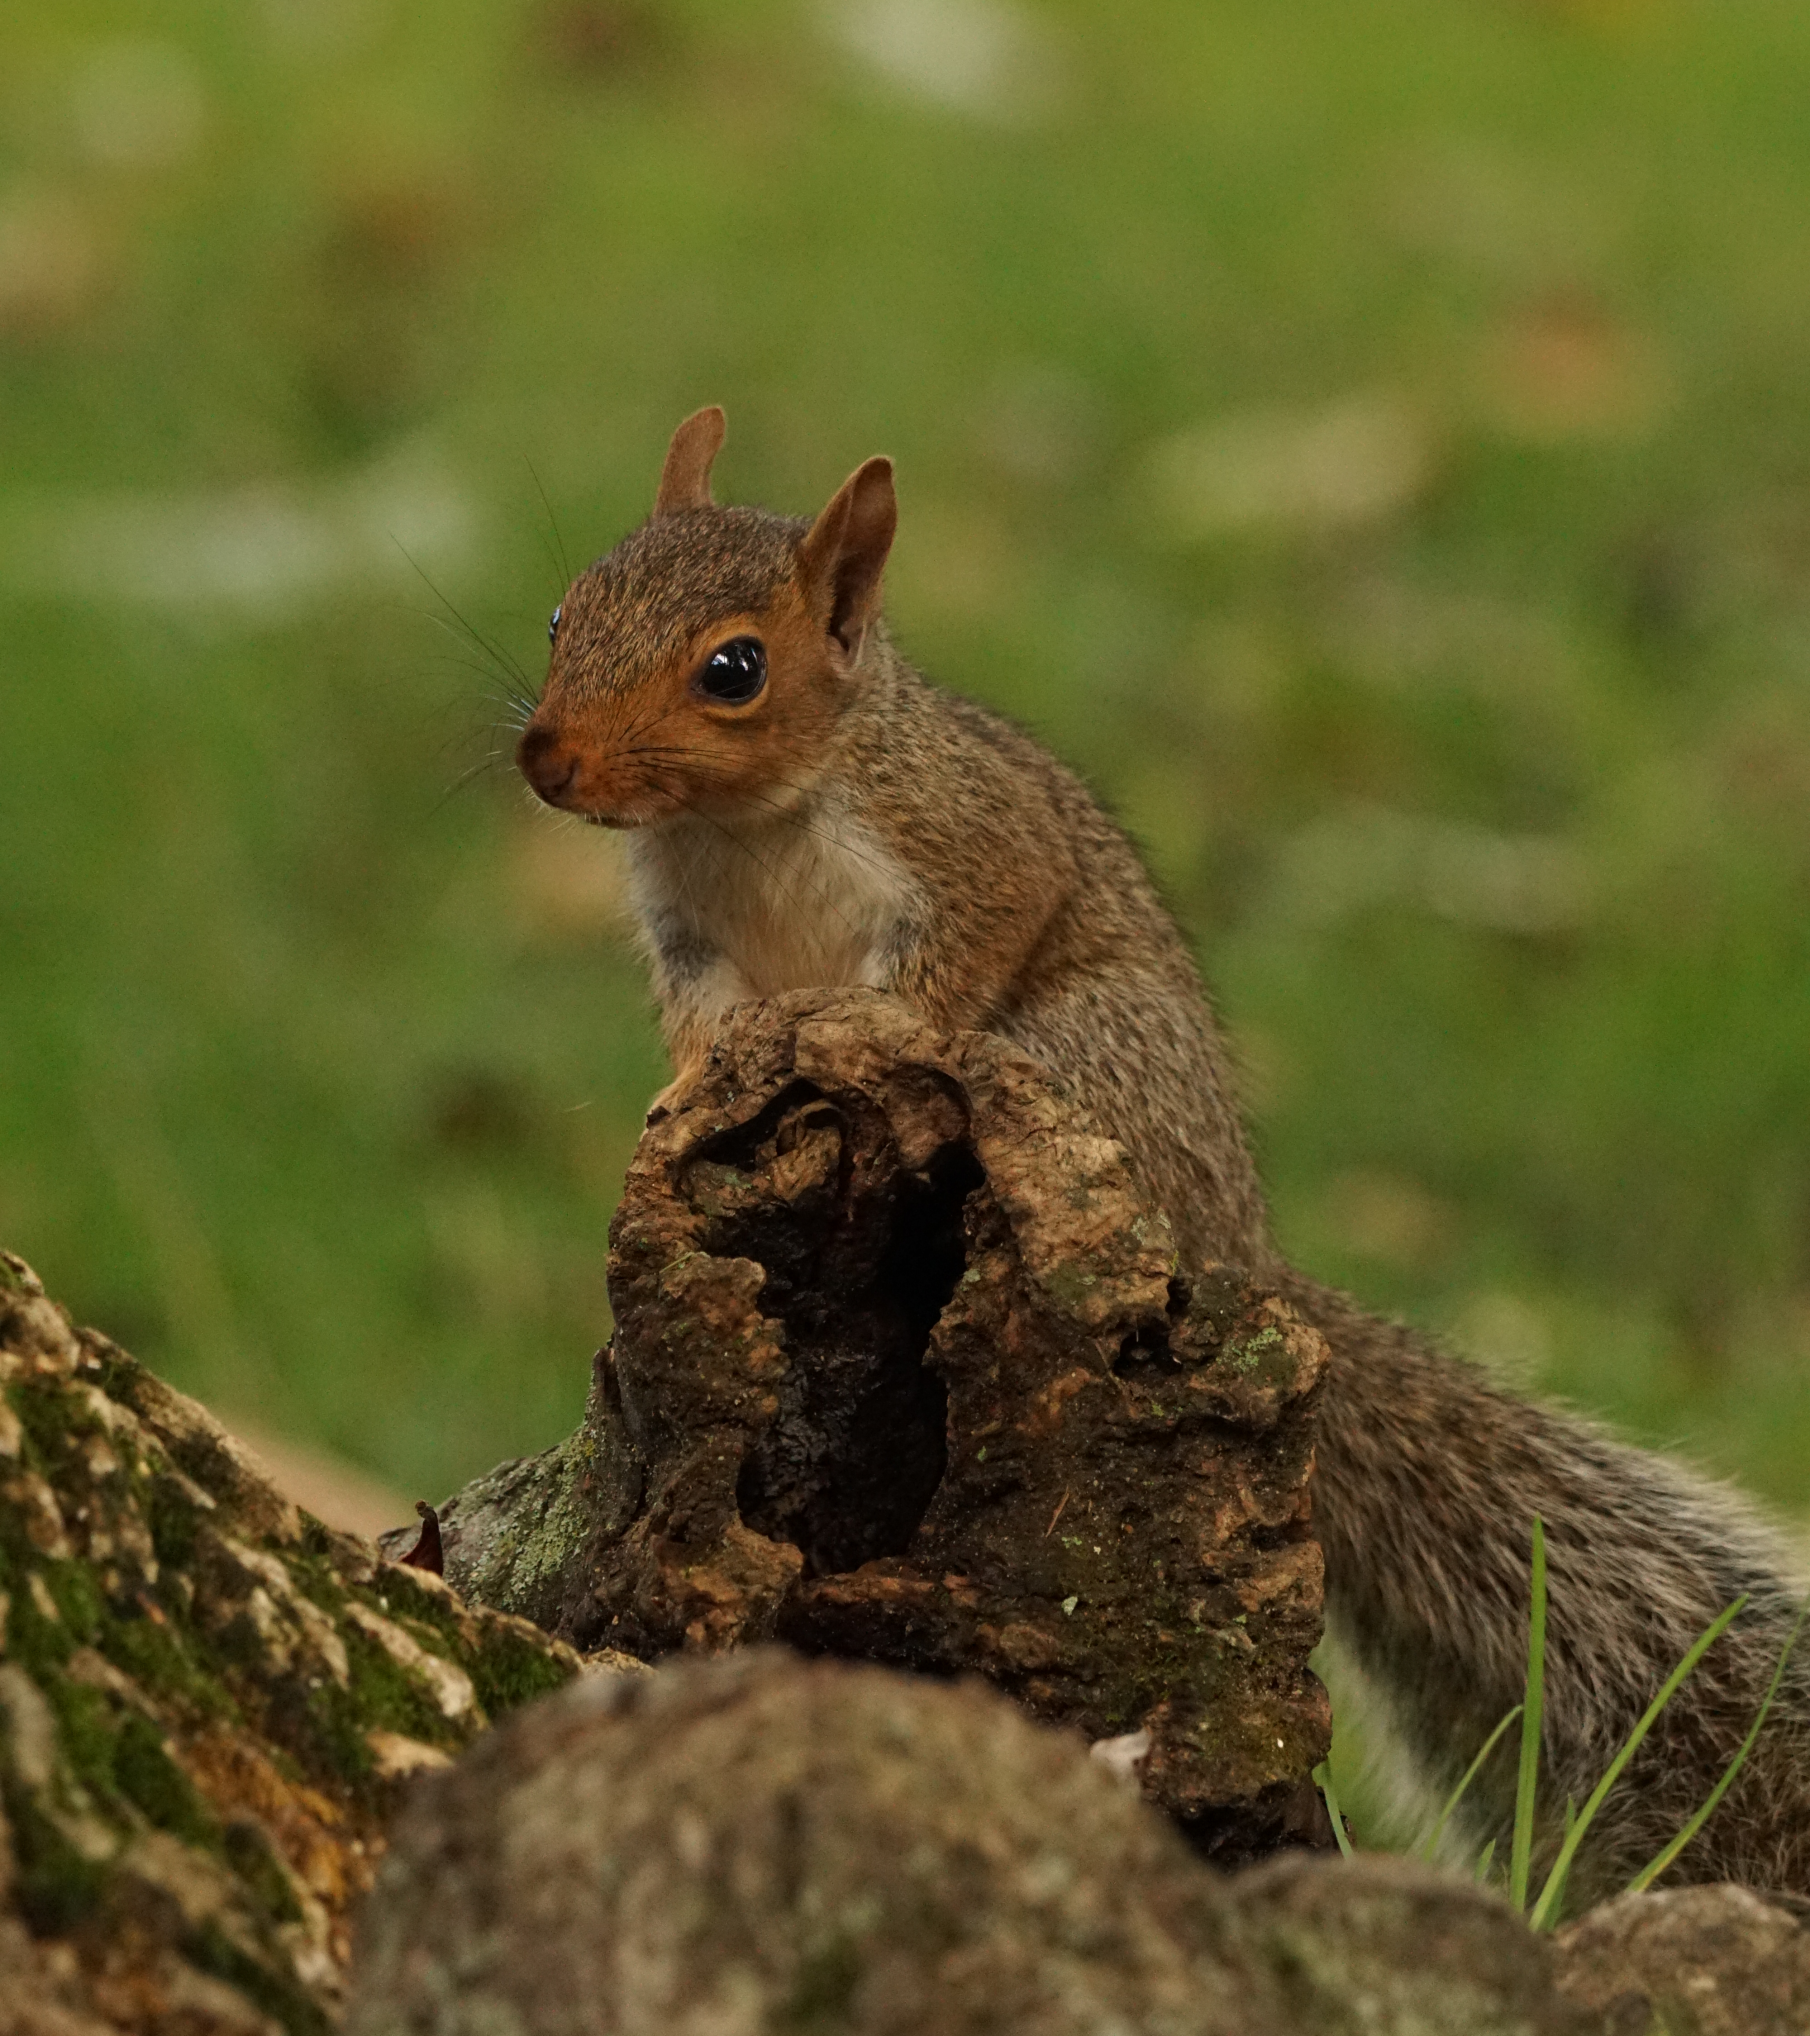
{"x":930,"y":760}
{"x":913,"y":733}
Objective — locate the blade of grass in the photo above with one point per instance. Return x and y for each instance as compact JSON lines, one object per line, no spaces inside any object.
{"x":1547,"y":1906}
{"x":1561,"y":1871}
{"x":1431,"y":1848}
{"x":1323,"y":1776}
{"x":1528,"y":1779}
{"x":1650,"y":1873}
{"x":1485,"y":1860}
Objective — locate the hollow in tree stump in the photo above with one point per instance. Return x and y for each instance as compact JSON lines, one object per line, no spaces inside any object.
{"x":904,"y":1369}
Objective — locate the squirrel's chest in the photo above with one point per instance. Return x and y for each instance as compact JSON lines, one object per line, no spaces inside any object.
{"x":805,"y":900}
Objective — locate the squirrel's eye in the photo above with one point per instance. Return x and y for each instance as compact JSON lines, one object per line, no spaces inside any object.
{"x":734,"y":674}
{"x":553,"y":622}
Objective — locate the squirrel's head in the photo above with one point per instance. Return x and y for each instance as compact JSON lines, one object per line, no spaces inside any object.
{"x":702,"y":666}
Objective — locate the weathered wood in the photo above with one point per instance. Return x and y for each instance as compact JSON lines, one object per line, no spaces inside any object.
{"x":903,"y":1369}
{"x":206,"y":1702}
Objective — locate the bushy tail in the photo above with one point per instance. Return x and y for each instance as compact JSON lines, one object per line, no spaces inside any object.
{"x":1429,"y":1479}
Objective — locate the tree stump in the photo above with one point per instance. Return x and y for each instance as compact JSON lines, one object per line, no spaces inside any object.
{"x":904,"y":1369}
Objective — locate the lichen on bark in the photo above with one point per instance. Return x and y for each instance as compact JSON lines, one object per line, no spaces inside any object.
{"x":206,"y":1702}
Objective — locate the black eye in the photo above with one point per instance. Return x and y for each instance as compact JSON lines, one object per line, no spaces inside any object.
{"x":735,"y":673}
{"x":553,"y":622}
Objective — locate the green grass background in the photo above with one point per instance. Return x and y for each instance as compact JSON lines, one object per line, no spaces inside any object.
{"x":1483,"y":789}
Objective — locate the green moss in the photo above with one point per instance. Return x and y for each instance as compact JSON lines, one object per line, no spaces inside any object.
{"x":77,"y":1595}
{"x":403,"y":1596}
{"x":271,"y":1988}
{"x":38,"y":1644}
{"x":50,"y":1414}
{"x":325,"y":1724}
{"x":1250,"y":1354}
{"x":146,"y":1776}
{"x":56,"y":1886}
{"x":173,"y":1519}
{"x":16,"y":1552}
{"x":824,"y":1991}
{"x":117,"y":1375}
{"x":154,"y":1655}
{"x":324,"y":1730}
{"x":389,"y":1698}
{"x":316,"y":1578}
{"x":86,"y":1734}
{"x":250,"y":1855}
{"x":509,"y":1670}
{"x":238,"y":1644}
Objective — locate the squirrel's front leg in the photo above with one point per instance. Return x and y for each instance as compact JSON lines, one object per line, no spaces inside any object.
{"x":697,"y":986}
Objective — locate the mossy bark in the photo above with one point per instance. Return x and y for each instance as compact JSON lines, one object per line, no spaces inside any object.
{"x":207,"y":1699}
{"x":905,"y":1369}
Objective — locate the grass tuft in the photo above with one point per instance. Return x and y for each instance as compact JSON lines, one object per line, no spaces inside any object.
{"x":1532,"y":1706}
{"x":1430,"y":1850}
{"x":1546,"y":1909}
{"x":1651,"y":1872}
{"x":1323,"y":1776}
{"x":1575,"y":1828}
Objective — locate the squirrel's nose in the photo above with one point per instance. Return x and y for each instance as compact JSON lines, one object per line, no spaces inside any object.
{"x":546,"y":763}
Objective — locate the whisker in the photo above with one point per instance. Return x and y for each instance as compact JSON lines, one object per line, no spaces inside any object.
{"x":466,"y":777}
{"x":559,"y":562}
{"x":493,"y":668}
{"x":484,"y":643}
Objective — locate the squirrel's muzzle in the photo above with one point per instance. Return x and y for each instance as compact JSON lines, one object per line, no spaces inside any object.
{"x":549,"y":765}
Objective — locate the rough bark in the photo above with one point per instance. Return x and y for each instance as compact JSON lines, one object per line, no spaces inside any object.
{"x":760,"y":1845}
{"x":206,"y":1702}
{"x":903,"y":1370}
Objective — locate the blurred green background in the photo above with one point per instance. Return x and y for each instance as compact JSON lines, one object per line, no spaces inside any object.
{"x":1374,"y":443}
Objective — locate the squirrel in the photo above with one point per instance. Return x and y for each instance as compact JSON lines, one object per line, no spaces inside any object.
{"x":804,"y":810}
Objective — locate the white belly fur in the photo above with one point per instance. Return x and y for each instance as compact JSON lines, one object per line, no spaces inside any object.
{"x":798,"y":901}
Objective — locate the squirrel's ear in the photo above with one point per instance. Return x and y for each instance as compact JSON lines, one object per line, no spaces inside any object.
{"x":685,"y":478}
{"x":840,"y":562}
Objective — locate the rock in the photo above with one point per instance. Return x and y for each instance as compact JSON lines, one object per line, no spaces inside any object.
{"x":903,"y":1370}
{"x":205,"y":1703}
{"x":1382,"y":1944}
{"x":759,"y":1844}
{"x":1702,"y":1961}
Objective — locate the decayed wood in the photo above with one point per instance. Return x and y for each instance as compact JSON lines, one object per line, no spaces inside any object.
{"x":903,"y":1369}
